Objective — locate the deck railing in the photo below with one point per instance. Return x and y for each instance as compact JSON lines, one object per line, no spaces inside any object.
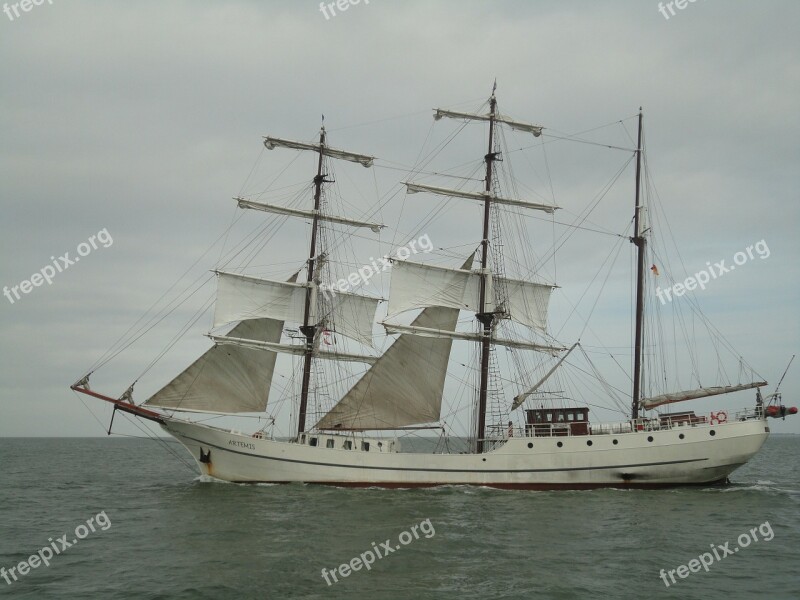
{"x":499,"y":434}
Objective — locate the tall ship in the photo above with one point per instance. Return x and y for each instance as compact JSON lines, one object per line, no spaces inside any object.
{"x":466,"y":344}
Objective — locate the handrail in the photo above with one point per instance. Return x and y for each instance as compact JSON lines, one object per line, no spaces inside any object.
{"x":661,"y":423}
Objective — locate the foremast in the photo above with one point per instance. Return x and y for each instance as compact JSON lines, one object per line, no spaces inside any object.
{"x":308,"y":329}
{"x":247,"y":297}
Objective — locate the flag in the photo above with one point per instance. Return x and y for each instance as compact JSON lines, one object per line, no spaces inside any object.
{"x":654,"y":269}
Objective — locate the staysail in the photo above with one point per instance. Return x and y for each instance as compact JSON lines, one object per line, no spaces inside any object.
{"x":406,"y":384}
{"x":226,"y":379}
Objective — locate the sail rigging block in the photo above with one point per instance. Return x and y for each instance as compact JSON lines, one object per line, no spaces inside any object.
{"x":536,"y":130}
{"x":363,"y":159}
{"x":307,"y":214}
{"x":655,"y":401}
{"x":414,"y":188}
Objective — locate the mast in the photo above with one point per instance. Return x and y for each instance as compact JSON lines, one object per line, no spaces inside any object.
{"x":485,"y":318}
{"x":310,"y":330}
{"x":639,"y":241}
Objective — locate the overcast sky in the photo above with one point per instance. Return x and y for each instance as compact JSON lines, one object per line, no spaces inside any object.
{"x":144,"y":119}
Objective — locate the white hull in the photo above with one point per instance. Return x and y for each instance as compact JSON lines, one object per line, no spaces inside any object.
{"x":699,"y":457}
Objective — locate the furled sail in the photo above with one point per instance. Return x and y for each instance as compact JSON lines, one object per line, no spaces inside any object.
{"x":536,"y":130}
{"x":308,"y":214}
{"x":414,"y":285}
{"x":655,"y":401}
{"x":241,"y":297}
{"x":469,"y":336}
{"x":363,"y":159}
{"x":296,"y":349}
{"x":226,"y":379}
{"x":414,"y":188}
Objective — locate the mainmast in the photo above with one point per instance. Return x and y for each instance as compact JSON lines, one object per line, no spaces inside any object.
{"x":485,"y":318}
{"x":423,"y":285}
{"x":309,"y":330}
{"x":639,"y":241}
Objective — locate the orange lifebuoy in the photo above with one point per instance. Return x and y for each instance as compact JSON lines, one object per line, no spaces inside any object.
{"x":718,"y":418}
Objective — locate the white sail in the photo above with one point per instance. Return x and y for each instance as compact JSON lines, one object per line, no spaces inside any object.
{"x":240,"y":297}
{"x":351,"y":315}
{"x":308,"y":214}
{"x":363,"y":159}
{"x":295,"y":349}
{"x":536,"y":130}
{"x":468,"y":336}
{"x":387,"y":396}
{"x":226,"y":379}
{"x":414,"y":188}
{"x":527,"y":302}
{"x":655,"y":401}
{"x":414,"y":285}
{"x":404,"y":386}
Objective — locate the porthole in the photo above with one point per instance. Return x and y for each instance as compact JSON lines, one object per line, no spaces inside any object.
{"x":559,"y":444}
{"x":712,"y":432}
{"x":615,"y":442}
{"x":649,"y":438}
{"x":681,"y":436}
{"x":484,"y":460}
{"x":530,"y":444}
{"x":588,"y":442}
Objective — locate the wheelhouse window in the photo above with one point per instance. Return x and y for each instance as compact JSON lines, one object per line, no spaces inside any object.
{"x":329,"y":444}
{"x":348,"y":445}
{"x":312,"y":441}
{"x":365,"y":446}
